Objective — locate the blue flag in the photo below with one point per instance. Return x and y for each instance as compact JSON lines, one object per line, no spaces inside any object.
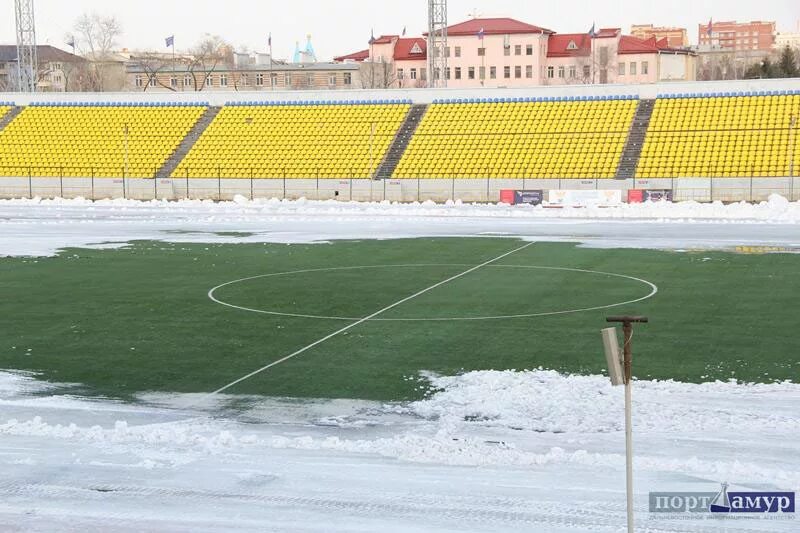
{"x":170,"y":41}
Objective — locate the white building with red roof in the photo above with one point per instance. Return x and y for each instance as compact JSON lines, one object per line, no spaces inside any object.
{"x":504,"y":52}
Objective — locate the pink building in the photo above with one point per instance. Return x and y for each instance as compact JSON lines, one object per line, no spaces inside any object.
{"x":503,"y":52}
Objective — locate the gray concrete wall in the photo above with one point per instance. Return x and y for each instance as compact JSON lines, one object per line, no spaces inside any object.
{"x":366,"y":190}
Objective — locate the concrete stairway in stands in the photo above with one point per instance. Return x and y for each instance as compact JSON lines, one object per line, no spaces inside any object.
{"x":633,"y":148}
{"x":8,"y":117}
{"x":400,"y":142}
{"x":188,"y":142}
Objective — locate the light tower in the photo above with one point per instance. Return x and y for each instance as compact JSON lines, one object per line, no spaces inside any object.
{"x":27,"y":58}
{"x":437,"y":43}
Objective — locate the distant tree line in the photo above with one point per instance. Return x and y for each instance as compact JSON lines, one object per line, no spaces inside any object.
{"x":787,"y":66}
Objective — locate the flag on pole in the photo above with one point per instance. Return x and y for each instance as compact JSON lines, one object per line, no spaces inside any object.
{"x":71,"y":42}
{"x":372,"y":37}
{"x":269,"y":40}
{"x":170,"y":41}
{"x":481,"y":34}
{"x":710,"y":28}
{"x":404,"y":31}
{"x":593,"y":31}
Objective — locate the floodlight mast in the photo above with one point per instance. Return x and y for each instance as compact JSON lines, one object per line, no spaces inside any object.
{"x":437,"y":43}
{"x":627,"y":328}
{"x":27,"y":57}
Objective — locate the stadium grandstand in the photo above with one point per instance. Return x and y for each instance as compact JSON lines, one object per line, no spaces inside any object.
{"x":612,"y":133}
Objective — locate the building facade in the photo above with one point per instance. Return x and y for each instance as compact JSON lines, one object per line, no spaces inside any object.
{"x":246,"y":73}
{"x":789,"y":38}
{"x":737,"y":36}
{"x":676,"y":37}
{"x":503,"y":53}
{"x":59,"y":71}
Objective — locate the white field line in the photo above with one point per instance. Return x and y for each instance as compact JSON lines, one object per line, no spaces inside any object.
{"x":361,"y":321}
{"x":652,"y":286}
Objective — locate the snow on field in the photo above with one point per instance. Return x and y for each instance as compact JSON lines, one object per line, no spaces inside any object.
{"x":42,"y":227}
{"x":487,"y":451}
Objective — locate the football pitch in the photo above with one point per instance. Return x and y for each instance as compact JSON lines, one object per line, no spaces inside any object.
{"x":192,"y":318}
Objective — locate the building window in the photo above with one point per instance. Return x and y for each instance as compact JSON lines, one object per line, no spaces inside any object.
{"x":518,"y":72}
{"x":621,"y":69}
{"x":423,"y":74}
{"x":209,"y":81}
{"x":529,"y":50}
{"x":551,"y":72}
{"x":287,"y":80}
{"x":645,"y":68}
{"x":436,"y":74}
{"x":173,"y":82}
{"x":471,"y":73}
{"x":562,"y":72}
{"x":56,"y":66}
{"x":223,"y":80}
{"x":447,"y":51}
{"x":493,"y":73}
{"x":481,"y":52}
{"x":139,"y":81}
{"x":633,"y":69}
{"x":187,"y":81}
{"x":529,"y":71}
{"x":244,"y":80}
{"x":400,"y":74}
{"x":413,"y":74}
{"x":458,"y":73}
{"x":458,"y":51}
{"x":518,"y":50}
{"x":482,"y":72}
{"x":348,"y":78}
{"x":573,"y":72}
{"x":153,"y":81}
{"x":259,"y":80}
{"x":273,"y":79}
{"x":332,"y":80}
{"x":507,"y":73}
{"x":447,"y":73}
{"x":310,"y":80}
{"x":587,"y":71}
{"x":507,"y":50}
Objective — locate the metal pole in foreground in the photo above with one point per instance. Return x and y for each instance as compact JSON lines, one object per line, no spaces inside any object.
{"x":627,"y":361}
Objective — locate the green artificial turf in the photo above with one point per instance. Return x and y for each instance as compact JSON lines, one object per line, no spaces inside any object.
{"x":139,"y":318}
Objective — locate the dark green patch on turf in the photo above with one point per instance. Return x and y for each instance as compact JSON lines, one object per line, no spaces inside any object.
{"x":139,"y":319}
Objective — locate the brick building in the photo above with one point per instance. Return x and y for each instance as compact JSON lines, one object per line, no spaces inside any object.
{"x":737,"y":36}
{"x":676,"y":37}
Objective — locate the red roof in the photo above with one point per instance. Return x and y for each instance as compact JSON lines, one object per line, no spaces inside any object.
{"x":363,"y":55}
{"x":558,"y":45}
{"x":607,"y":33}
{"x":633,"y":45}
{"x":403,"y":49}
{"x":494,"y":26}
{"x":385,"y":39}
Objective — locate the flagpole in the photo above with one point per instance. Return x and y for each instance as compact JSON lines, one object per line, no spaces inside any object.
{"x":271,"y":81}
{"x":173,"y":61}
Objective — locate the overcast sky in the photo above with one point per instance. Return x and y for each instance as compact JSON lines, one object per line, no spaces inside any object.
{"x":343,"y":27}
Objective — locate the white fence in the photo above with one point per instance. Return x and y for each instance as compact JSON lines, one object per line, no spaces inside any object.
{"x":366,"y":190}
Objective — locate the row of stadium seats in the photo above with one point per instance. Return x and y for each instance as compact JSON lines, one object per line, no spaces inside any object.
{"x":119,"y":104}
{"x":295,"y":141}
{"x":110,"y":139}
{"x":726,"y":134}
{"x":532,"y":99}
{"x":320,"y":102}
{"x":730,"y":94}
{"x":726,"y":137}
{"x":580,"y":139}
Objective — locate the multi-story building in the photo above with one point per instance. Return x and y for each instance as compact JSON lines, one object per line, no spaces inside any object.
{"x":239,"y":72}
{"x":503,"y":52}
{"x":676,"y":37}
{"x":59,"y":71}
{"x":790,"y":38}
{"x":737,"y":36}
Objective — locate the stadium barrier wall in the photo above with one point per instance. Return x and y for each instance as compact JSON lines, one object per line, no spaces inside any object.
{"x":367,"y":190}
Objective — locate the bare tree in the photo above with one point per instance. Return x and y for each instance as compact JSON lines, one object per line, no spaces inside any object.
{"x":209,"y":54}
{"x":95,"y":38}
{"x":152,"y":64}
{"x":378,"y":74}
